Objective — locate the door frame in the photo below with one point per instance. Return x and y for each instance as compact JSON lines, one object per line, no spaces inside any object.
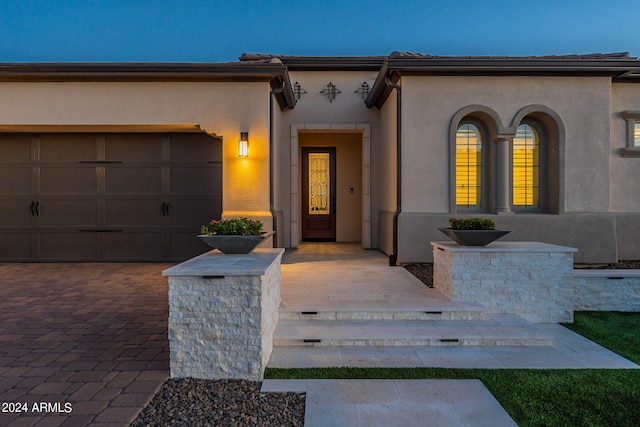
{"x":295,"y":198}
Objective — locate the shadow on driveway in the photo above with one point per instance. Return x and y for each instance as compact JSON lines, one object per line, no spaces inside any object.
{"x":81,"y":343}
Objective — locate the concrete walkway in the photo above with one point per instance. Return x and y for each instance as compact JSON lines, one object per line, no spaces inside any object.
{"x":389,"y":403}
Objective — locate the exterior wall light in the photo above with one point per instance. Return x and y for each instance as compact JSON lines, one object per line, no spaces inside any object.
{"x":243,"y":145}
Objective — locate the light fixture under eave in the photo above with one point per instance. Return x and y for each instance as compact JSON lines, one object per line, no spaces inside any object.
{"x":243,"y":145}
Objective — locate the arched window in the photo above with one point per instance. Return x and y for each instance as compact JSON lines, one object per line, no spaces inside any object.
{"x":526,"y":167}
{"x":469,"y":155}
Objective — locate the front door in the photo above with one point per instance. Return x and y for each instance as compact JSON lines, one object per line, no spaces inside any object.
{"x":318,"y":194}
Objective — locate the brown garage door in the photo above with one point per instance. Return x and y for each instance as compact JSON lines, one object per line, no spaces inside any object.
{"x":107,"y":197}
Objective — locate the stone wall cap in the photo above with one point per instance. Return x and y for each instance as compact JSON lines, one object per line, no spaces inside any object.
{"x":214,"y":263}
{"x":600,"y":273}
{"x":504,"y":247}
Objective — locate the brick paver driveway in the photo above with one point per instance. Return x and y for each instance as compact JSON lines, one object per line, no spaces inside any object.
{"x":81,"y":344}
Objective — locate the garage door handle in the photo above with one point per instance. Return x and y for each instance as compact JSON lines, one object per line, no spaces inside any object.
{"x":99,"y":230}
{"x":165,"y":208}
{"x":100,"y":162}
{"x":35,"y":208}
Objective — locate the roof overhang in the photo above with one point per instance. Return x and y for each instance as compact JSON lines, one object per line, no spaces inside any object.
{"x":274,"y":73}
{"x":105,"y":128}
{"x":395,"y":68}
{"x":320,"y":63}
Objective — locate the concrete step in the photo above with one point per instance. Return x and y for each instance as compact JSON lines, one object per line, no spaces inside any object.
{"x":507,"y":330}
{"x":370,"y":311}
{"x":400,"y":315}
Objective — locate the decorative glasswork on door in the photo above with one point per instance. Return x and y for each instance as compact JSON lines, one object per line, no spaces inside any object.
{"x":319,"y":183}
{"x":318,"y":193}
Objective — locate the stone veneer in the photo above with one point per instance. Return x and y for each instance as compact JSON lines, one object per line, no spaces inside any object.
{"x":223,"y":310}
{"x":606,"y":290}
{"x":531,"y":279}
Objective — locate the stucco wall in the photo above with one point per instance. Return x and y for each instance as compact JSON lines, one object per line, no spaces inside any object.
{"x":225,"y":109}
{"x":429,"y":103}
{"x":625,"y":191}
{"x":385,"y":179}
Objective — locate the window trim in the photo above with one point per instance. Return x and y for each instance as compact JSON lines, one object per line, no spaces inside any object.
{"x":553,"y":136}
{"x":633,"y":119}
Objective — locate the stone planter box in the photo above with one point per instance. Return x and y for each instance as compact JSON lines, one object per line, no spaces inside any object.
{"x":531,"y":279}
{"x":606,"y":290}
{"x":223,"y":310}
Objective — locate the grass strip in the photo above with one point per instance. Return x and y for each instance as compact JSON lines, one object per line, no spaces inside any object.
{"x":617,"y":331}
{"x":554,"y":397}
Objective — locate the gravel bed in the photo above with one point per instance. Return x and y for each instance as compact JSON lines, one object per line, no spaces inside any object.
{"x":620,"y":265}
{"x":193,"y":402}
{"x":424,"y":272}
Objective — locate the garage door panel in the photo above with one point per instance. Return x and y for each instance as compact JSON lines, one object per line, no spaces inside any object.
{"x":15,"y":180}
{"x":195,"y":148}
{"x":15,"y":148}
{"x":68,"y":180}
{"x":16,"y":213}
{"x":129,"y":212}
{"x":196,"y":180}
{"x":185,"y":245}
{"x":68,"y":147}
{"x":68,"y":246}
{"x":133,"y":246}
{"x":16,"y":246}
{"x":79,"y":213}
{"x":133,"y":148}
{"x":194,"y":212}
{"x":125,"y":180}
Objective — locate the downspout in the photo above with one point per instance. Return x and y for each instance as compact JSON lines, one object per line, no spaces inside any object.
{"x":274,"y":220}
{"x":393,"y":258}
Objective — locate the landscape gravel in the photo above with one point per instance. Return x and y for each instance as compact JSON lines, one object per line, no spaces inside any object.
{"x":230,"y":403}
{"x":620,"y":265}
{"x":424,"y":272}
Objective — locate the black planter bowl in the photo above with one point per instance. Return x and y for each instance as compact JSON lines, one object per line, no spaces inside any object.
{"x":473,"y":237}
{"x":235,"y":244}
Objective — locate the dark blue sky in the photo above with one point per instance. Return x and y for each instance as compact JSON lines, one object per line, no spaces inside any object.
{"x":219,"y":31}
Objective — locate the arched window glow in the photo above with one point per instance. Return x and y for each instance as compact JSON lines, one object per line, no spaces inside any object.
{"x":468,"y":166}
{"x":526,"y":167}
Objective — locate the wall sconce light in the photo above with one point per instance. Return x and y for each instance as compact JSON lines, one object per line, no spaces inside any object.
{"x":243,"y":145}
